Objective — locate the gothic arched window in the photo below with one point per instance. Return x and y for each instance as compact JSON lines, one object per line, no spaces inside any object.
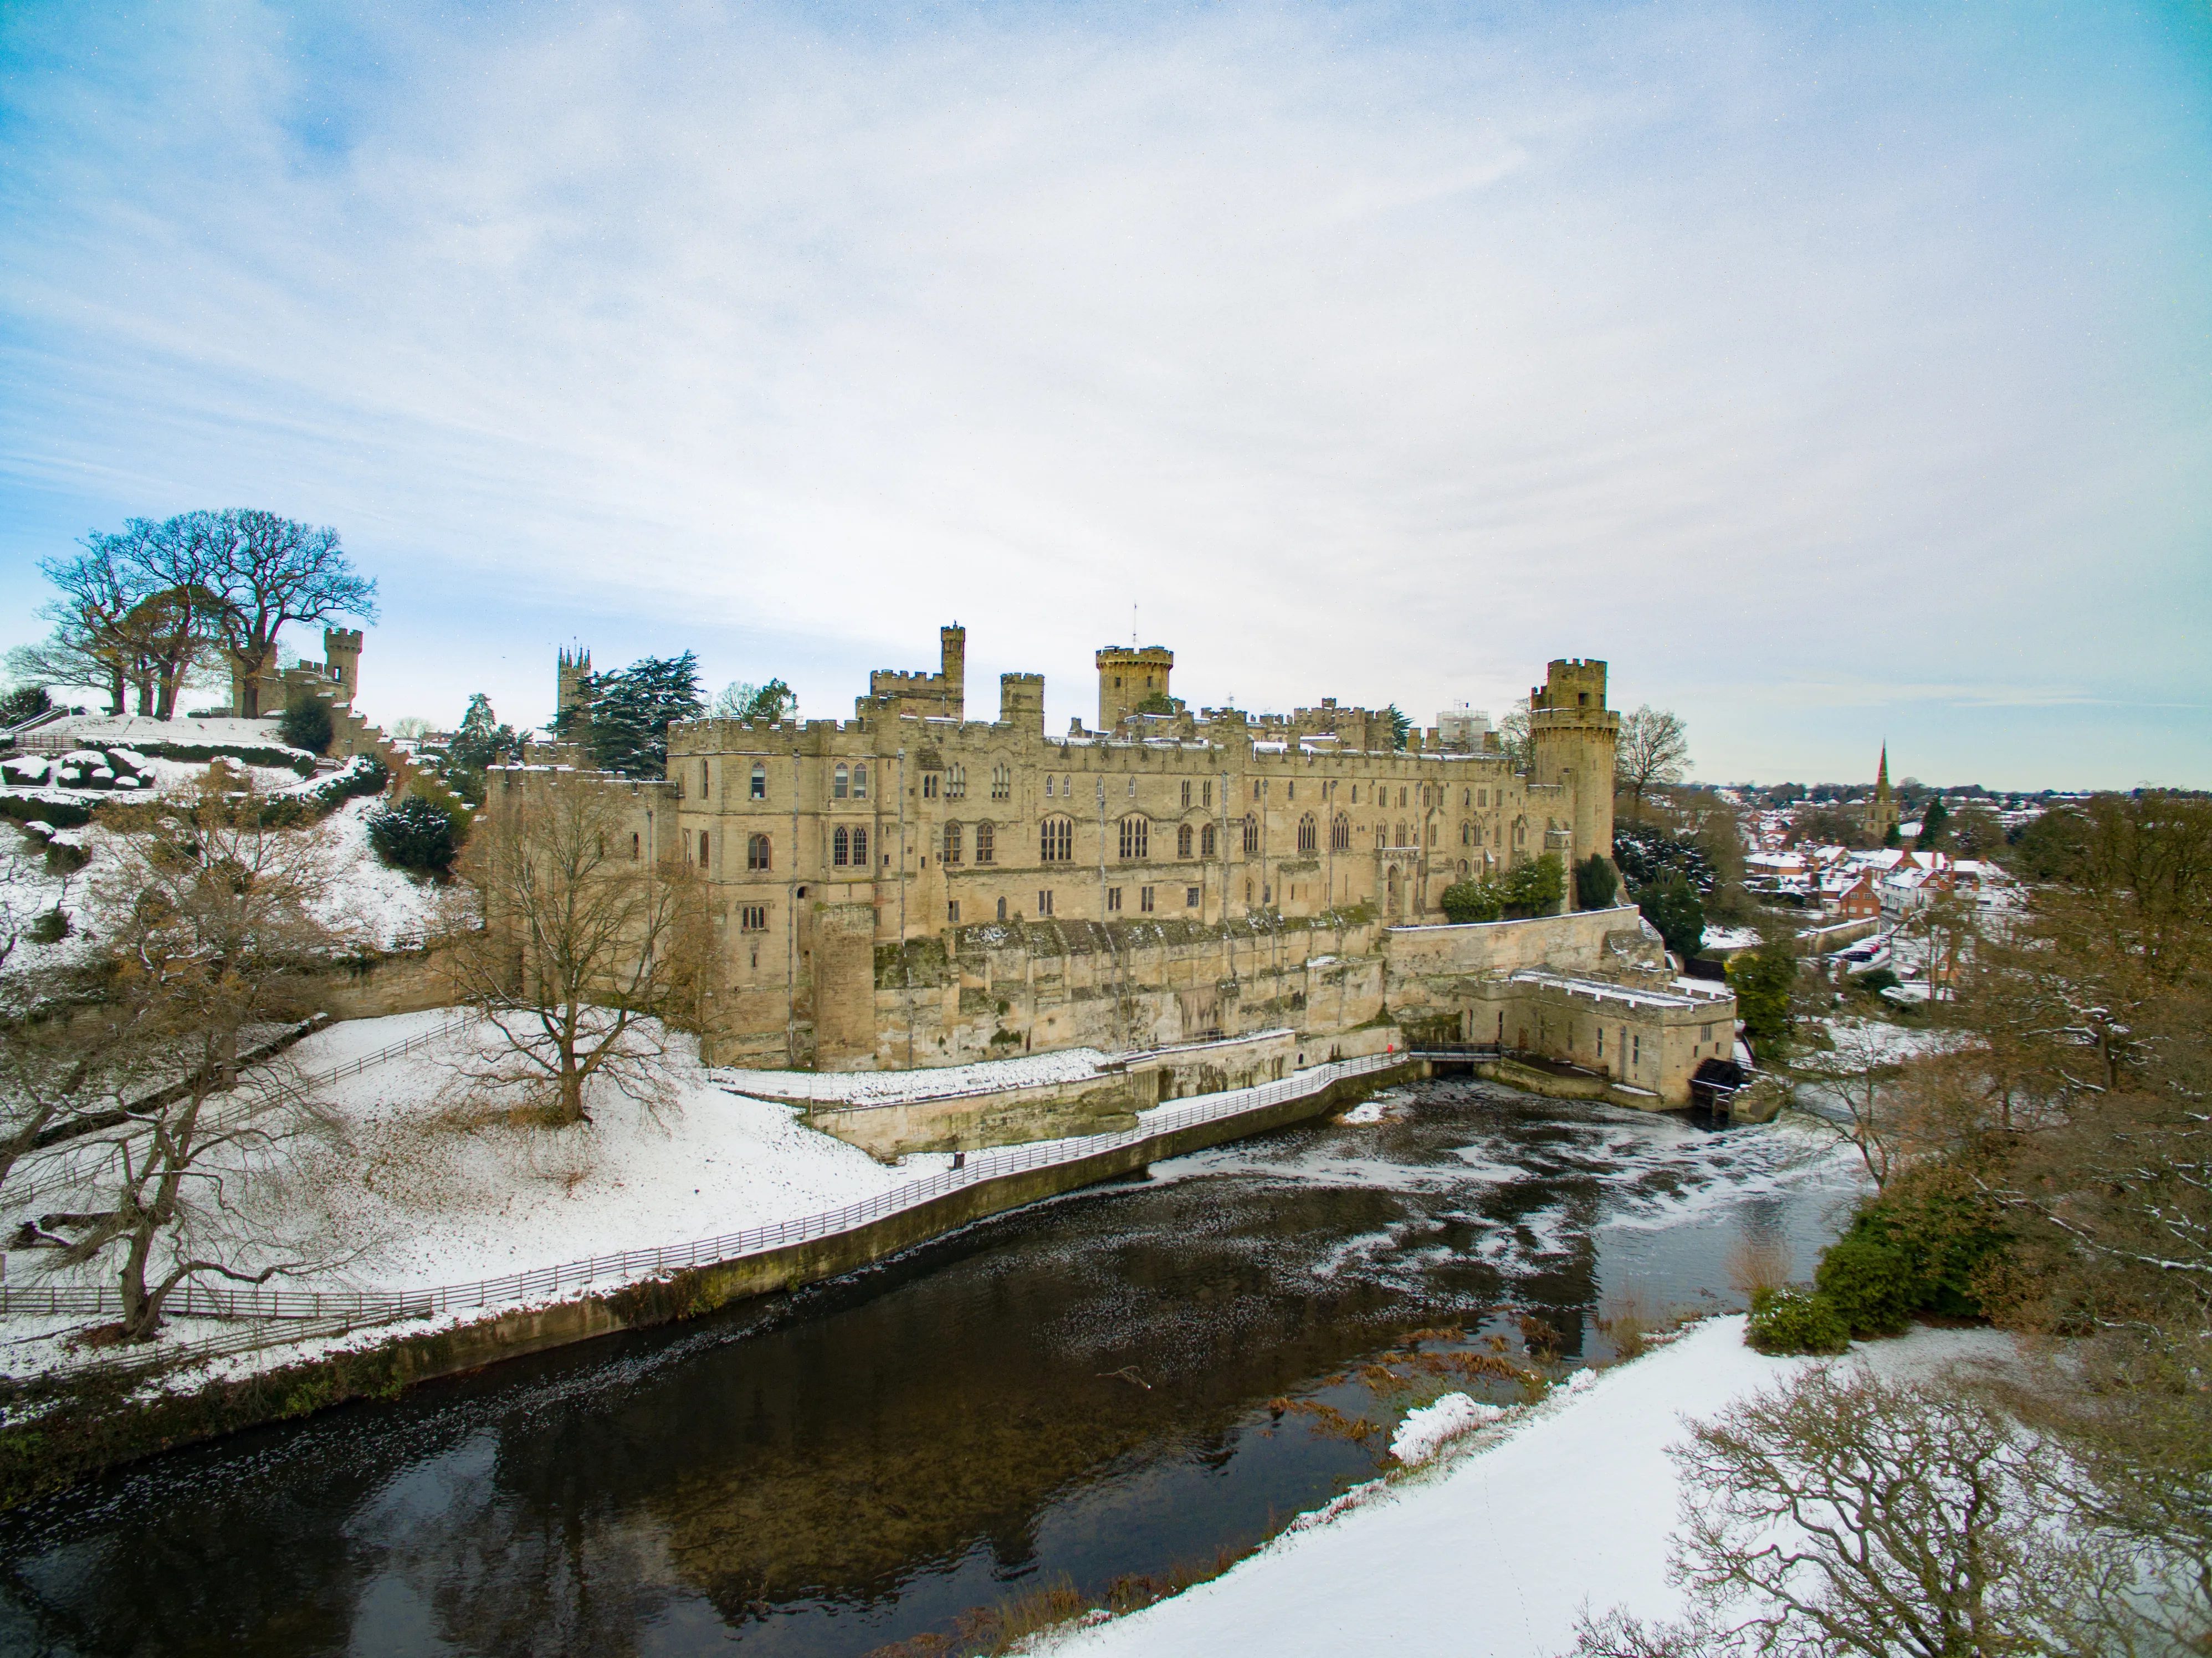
{"x":1206,"y":842}
{"x":1339,"y":834}
{"x":1056,"y":840}
{"x":986,"y":843}
{"x":840,"y":782}
{"x":1251,"y":833}
{"x":756,"y":851}
{"x":841,"y":846}
{"x":760,"y":781}
{"x":1183,"y":837}
{"x":1307,"y":839}
{"x":1136,"y":837}
{"x":859,"y":782}
{"x":952,"y":854}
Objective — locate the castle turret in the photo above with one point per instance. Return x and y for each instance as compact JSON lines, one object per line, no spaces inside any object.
{"x":1021,"y":701}
{"x":342,"y":657}
{"x":1572,"y":736}
{"x":1129,"y":675}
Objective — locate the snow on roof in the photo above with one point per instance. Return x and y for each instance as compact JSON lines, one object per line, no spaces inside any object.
{"x":1688,"y":992}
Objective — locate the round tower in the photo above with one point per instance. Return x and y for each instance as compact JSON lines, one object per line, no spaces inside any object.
{"x":1128,"y":675}
{"x":1571,"y":738}
{"x":342,"y":655}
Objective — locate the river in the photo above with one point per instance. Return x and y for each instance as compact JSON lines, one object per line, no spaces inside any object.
{"x":1093,"y":1386}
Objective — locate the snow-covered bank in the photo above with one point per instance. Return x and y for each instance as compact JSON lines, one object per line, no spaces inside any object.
{"x":421,"y":1182}
{"x":1493,"y":1555}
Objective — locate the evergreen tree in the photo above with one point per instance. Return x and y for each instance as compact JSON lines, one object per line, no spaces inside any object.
{"x":414,"y":833}
{"x":1671,"y":904}
{"x":1401,"y":725}
{"x":306,"y":724}
{"x":1595,"y":884}
{"x":1935,"y":825}
{"x":629,"y":712}
{"x":482,"y":741}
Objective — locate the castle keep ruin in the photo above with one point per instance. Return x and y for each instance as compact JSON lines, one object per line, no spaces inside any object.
{"x":915,"y":888}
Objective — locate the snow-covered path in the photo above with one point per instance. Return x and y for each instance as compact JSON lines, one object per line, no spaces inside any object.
{"x":1493,"y":1557}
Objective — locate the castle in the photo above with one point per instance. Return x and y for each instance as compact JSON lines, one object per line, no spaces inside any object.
{"x":913,"y":887}
{"x":272,"y":689}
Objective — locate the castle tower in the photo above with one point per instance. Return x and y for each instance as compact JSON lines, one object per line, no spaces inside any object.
{"x":1881,"y":810}
{"x":952,"y":667}
{"x":1021,"y":701}
{"x":342,"y":655}
{"x":572,"y":691}
{"x":1128,"y":675}
{"x":1571,"y":736}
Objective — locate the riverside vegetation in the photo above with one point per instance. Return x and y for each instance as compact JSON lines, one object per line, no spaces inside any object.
{"x":2047,"y":1165}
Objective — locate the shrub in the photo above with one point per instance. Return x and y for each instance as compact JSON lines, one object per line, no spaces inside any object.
{"x":1794,"y":1322}
{"x":1948,"y":1231}
{"x":1869,"y":1283}
{"x":1595,"y":884}
{"x":1874,"y":982}
{"x":1471,"y":900}
{"x":413,"y":833}
{"x":306,"y":725}
{"x":24,"y":703}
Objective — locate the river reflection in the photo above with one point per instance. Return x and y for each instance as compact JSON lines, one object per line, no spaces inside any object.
{"x":1078,"y":1389}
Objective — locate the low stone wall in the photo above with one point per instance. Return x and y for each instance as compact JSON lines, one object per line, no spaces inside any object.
{"x":1105,"y":1104}
{"x":973,"y":1122}
{"x":405,"y":981}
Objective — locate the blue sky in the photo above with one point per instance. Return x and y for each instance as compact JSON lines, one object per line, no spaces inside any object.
{"x":1839,"y":374}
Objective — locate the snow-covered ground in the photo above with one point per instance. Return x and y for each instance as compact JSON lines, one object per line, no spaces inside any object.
{"x":132,"y":730}
{"x":369,"y":904}
{"x":1493,"y":1554}
{"x":423,"y":1179}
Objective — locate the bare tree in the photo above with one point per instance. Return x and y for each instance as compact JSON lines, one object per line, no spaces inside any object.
{"x":1654,"y":749}
{"x":1856,"y":1078}
{"x":584,"y":937}
{"x":215,"y":922}
{"x":272,"y":571}
{"x":1848,"y":1517}
{"x":1513,"y":736}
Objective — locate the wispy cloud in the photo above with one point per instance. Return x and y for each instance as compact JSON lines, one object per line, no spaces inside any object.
{"x":1375,"y":353}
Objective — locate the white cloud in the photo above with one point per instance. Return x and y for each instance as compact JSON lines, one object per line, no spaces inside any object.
{"x":1370,"y":358}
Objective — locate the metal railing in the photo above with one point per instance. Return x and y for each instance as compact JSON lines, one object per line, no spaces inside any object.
{"x":546,"y":1283}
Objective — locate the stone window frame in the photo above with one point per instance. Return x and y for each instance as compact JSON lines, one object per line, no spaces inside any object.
{"x":1339,"y":834}
{"x":752,"y":918}
{"x":949,"y":850}
{"x":1184,"y":837}
{"x":1136,"y":833}
{"x":1251,"y":835}
{"x":760,"y":853}
{"x":840,"y":782}
{"x":1002,"y":786}
{"x":1056,"y":840}
{"x":986,"y":842}
{"x":758,"y":788}
{"x":1206,"y":840}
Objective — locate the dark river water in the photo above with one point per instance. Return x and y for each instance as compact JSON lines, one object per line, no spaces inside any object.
{"x":1091,"y":1388}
